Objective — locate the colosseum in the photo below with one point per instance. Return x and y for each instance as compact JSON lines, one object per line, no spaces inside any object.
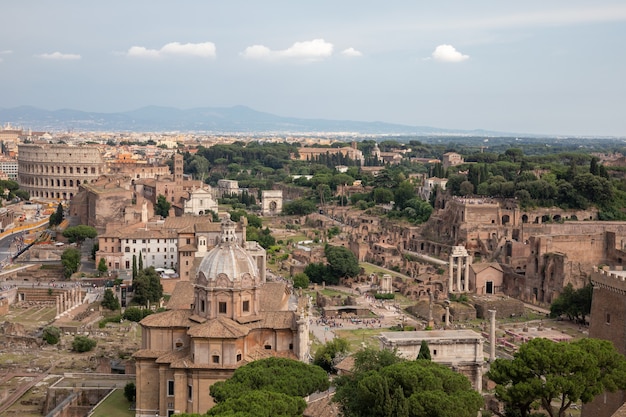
{"x":54,"y":171}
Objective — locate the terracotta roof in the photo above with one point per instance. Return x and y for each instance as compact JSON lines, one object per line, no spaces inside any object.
{"x":173,"y":356}
{"x":346,"y":365}
{"x":171,"y":318}
{"x":219,"y":328}
{"x":275,"y":320}
{"x":485,"y":265}
{"x":182,"y":296}
{"x":274,"y":296}
{"x":260,"y":353}
{"x":148,"y":354}
{"x":188,"y":221}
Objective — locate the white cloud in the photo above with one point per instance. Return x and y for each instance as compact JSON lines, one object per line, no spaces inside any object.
{"x":314,"y":50}
{"x":447,"y":53}
{"x":6,"y":52}
{"x":257,"y":52}
{"x":60,"y":56}
{"x":202,"y":50}
{"x":351,"y":52}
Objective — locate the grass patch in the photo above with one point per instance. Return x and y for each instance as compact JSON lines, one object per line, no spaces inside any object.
{"x":357,"y":337}
{"x":115,"y":405}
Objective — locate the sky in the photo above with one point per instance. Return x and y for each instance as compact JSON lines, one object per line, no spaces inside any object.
{"x":534,"y":66}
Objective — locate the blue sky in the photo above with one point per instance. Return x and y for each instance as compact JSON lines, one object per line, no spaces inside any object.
{"x":551,"y":67}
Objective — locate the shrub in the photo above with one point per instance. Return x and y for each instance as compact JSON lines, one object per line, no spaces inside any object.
{"x":83,"y":344}
{"x":52,"y":335}
{"x":130,"y":392}
{"x":136,"y":314}
{"x":388,"y":296}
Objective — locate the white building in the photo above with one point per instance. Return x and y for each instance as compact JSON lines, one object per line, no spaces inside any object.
{"x":429,"y":186}
{"x":199,"y":201}
{"x":157,"y":248}
{"x":461,"y":350}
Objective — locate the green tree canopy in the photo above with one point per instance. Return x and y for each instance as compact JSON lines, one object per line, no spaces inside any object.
{"x":555,"y":375}
{"x":575,"y":304}
{"x":79,"y":233}
{"x":260,"y":403}
{"x":318,"y":273}
{"x":162,"y":206}
{"x":147,"y":286}
{"x":102,"y":266}
{"x":299,"y":207}
{"x":326,"y":355}
{"x":300,"y":280}
{"x":408,"y":389}
{"x":341,"y":261}
{"x":370,"y":359}
{"x":285,"y":376}
{"x":57,"y":217}
{"x":110,"y":301}
{"x":70,"y":259}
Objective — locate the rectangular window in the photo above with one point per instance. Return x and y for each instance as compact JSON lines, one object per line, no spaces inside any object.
{"x":127,"y":264}
{"x":246,"y":306}
{"x":170,"y":388}
{"x":222,"y":307}
{"x":189,"y":392}
{"x":202,"y":306}
{"x":216,"y":359}
{"x":238,"y":357}
{"x":608,"y":318}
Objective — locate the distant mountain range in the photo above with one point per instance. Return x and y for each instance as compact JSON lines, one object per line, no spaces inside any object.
{"x":237,"y":119}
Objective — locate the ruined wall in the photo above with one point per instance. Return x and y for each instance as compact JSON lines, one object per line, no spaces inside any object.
{"x":608,"y":322}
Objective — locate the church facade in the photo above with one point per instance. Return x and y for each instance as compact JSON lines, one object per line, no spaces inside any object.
{"x":228,"y":317}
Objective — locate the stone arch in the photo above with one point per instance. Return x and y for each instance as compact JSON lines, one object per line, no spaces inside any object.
{"x":506,"y":219}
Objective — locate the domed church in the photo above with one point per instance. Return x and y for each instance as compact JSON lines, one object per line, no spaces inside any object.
{"x":225,"y":319}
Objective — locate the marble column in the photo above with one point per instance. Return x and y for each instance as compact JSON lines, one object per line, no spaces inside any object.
{"x":447,"y":317}
{"x":459,"y":269}
{"x":468,"y":261}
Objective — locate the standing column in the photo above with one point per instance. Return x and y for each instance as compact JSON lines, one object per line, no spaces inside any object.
{"x":468,"y":261}
{"x":451,"y":274}
{"x":458,"y":273}
{"x":492,"y":335}
{"x":447,"y":317}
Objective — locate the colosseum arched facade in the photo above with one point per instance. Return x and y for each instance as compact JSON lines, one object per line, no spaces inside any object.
{"x":54,"y":171}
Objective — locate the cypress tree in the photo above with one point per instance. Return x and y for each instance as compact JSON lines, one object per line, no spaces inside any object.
{"x":424,"y":352}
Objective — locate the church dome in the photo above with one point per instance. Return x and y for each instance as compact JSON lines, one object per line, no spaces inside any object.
{"x":227,"y":259}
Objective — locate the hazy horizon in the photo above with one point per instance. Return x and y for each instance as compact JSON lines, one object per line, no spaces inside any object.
{"x":533,"y":67}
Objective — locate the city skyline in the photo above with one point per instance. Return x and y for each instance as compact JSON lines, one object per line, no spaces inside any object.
{"x":532,"y":68}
